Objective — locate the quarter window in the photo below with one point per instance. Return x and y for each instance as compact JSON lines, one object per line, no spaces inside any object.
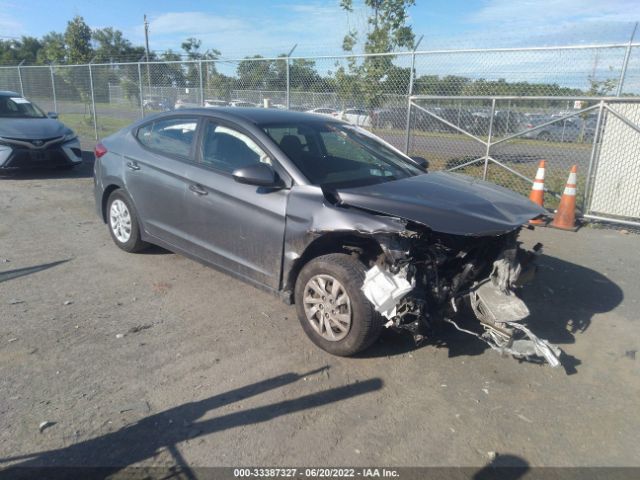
{"x":227,"y":149}
{"x":172,"y":136}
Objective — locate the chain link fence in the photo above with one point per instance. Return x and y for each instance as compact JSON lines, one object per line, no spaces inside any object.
{"x":440,"y":104}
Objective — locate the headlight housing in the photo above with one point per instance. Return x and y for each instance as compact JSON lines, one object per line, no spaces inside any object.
{"x":69,"y":135}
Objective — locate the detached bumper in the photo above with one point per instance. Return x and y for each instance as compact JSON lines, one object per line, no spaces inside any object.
{"x":59,"y":155}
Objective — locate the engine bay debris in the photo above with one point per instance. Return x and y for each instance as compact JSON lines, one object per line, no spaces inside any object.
{"x":422,"y":278}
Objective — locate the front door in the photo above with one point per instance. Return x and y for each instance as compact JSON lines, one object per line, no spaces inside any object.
{"x":236,"y":226}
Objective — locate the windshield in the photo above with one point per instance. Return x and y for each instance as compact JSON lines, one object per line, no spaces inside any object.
{"x":18,"y":107}
{"x":340,"y":155}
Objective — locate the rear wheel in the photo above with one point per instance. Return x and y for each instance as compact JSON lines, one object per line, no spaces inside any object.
{"x":123,"y":224}
{"x":333,"y":311}
{"x":544,"y":136}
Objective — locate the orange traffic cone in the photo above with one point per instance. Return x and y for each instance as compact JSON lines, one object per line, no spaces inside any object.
{"x":537,"y":193}
{"x":565,"y":218}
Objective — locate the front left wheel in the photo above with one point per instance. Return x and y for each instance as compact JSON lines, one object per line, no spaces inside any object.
{"x":123,"y":224}
{"x":331,"y":307}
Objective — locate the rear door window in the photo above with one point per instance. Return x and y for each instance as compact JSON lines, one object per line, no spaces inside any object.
{"x":172,"y":136}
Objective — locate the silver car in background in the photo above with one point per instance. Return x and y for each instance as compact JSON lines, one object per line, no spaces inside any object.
{"x":29,"y":138}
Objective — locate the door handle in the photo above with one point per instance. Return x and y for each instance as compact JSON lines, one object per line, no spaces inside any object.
{"x":133,"y":166}
{"x":197,"y":189}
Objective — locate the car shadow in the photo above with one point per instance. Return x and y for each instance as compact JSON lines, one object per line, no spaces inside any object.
{"x":562,"y":300}
{"x":105,"y":455}
{"x":82,"y":170}
{"x":21,"y":272}
{"x":503,"y":467}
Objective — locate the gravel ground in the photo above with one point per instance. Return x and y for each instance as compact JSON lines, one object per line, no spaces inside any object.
{"x":153,"y":359}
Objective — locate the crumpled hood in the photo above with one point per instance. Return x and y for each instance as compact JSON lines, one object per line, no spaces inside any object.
{"x":31,"y":128}
{"x":446,"y":203}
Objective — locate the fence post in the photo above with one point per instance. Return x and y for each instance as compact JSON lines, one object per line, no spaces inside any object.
{"x":93,"y":102}
{"x":288,"y":94}
{"x":53,"y":89}
{"x":487,"y":151}
{"x":140,"y":90}
{"x":592,"y":158}
{"x":409,"y":93}
{"x":20,"y":78}
{"x":625,"y":62}
{"x":201,"y":84}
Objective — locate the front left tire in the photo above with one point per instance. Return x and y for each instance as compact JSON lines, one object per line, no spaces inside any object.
{"x":331,"y":307}
{"x":123,"y":224}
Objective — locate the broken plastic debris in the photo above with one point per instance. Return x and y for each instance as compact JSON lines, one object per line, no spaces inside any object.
{"x":44,"y":425}
{"x":385,"y":290}
{"x":496,"y":305}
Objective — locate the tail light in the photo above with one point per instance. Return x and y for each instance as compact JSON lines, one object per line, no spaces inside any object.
{"x":100,"y":150}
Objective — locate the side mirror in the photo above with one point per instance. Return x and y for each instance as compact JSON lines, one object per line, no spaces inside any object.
{"x":53,"y":115}
{"x":421,"y":161}
{"x":259,"y":174}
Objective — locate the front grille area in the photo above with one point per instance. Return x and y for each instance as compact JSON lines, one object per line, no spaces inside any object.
{"x":36,"y":142}
{"x":28,"y":158}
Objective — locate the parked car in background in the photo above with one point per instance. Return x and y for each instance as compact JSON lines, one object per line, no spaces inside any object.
{"x":390,"y":117}
{"x":29,"y":138}
{"x":572,"y":129}
{"x":396,"y":117}
{"x":332,"y":112}
{"x":181,"y":103}
{"x":508,"y":121}
{"x":243,"y":103}
{"x":155,"y":102}
{"x":327,"y":216}
{"x":210,"y":103}
{"x":356,"y":116}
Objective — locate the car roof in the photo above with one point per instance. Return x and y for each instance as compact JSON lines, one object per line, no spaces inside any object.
{"x":259,"y":116}
{"x":9,"y":93}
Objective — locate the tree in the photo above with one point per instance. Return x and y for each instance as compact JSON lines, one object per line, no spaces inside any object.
{"x":191,"y":46}
{"x":52,"y":49}
{"x":388,"y":31}
{"x":113,"y":47}
{"x":77,"y":38}
{"x":27,"y":49}
{"x":255,"y":73}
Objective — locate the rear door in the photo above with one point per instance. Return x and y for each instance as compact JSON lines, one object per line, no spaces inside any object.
{"x":155,"y":175}
{"x":236,"y":226}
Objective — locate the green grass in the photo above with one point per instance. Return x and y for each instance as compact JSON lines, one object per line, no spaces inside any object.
{"x":459,"y":136}
{"x":82,"y":124}
{"x":555,"y":179}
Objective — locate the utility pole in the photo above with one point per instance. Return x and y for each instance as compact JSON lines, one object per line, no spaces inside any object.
{"x":146,"y":36}
{"x":146,"y":46}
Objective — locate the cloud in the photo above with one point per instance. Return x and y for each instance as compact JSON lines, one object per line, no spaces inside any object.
{"x":551,"y":11}
{"x":557,"y":21}
{"x":311,"y":25}
{"x":10,"y":27}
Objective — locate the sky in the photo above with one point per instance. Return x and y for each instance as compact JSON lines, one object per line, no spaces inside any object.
{"x":246,"y":27}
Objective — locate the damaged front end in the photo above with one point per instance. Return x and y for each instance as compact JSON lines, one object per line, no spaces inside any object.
{"x":422,"y":279}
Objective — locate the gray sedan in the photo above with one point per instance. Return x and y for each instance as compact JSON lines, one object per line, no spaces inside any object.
{"x":29,"y":138}
{"x":325,"y":215}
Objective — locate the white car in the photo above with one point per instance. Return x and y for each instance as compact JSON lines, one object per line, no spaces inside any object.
{"x":332,"y":112}
{"x":357,"y":116}
{"x":215,"y":103}
{"x":185,"y":104}
{"x":242,"y":103}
